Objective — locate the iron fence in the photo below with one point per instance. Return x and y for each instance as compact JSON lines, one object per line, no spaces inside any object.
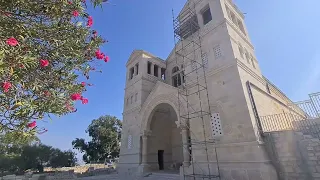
{"x":288,"y":121}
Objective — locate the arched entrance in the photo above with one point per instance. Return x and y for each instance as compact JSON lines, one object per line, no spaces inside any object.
{"x":164,"y":149}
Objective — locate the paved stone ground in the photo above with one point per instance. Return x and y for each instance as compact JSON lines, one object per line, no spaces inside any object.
{"x":152,"y":176}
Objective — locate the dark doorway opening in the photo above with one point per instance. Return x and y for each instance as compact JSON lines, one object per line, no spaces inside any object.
{"x":160,"y":159}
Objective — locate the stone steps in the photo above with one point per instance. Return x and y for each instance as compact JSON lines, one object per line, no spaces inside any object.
{"x":162,"y":176}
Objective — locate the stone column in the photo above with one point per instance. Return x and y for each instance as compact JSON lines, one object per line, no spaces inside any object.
{"x":185,"y":144}
{"x":159,"y":72}
{"x":144,"y":152}
{"x":135,"y":71}
{"x":152,"y":69}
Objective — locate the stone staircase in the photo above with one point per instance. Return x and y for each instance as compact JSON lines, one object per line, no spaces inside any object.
{"x":162,"y":176}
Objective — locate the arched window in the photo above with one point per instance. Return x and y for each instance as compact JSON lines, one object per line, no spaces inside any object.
{"x":176,"y":77}
{"x":247,"y":56}
{"x":241,"y":50}
{"x":175,"y":69}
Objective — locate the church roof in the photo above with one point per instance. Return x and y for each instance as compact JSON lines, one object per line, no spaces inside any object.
{"x":138,"y":52}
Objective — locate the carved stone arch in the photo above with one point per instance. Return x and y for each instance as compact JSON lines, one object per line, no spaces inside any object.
{"x":148,"y":110}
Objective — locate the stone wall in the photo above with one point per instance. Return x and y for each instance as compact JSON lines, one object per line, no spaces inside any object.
{"x":77,"y":169}
{"x":296,"y":156}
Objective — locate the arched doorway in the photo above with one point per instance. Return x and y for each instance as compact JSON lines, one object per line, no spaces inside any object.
{"x":164,"y":144}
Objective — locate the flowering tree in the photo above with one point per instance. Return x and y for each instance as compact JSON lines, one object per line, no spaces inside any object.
{"x":46,"y":47}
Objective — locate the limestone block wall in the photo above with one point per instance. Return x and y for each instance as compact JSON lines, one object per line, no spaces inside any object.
{"x":77,"y":169}
{"x":296,"y":156}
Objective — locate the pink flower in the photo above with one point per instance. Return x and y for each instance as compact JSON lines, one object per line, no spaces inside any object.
{"x":69,"y":2}
{"x":47,"y":93}
{"x":83,"y":84}
{"x":75,"y":13}
{"x":32,"y":125}
{"x":99,"y":54}
{"x":44,"y":63}
{"x":75,"y":96}
{"x":6,"y":86}
{"x":84,"y":100}
{"x":106,"y":59}
{"x":12,"y":41}
{"x":90,"y":21}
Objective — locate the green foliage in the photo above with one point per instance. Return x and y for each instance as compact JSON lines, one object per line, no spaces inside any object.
{"x":105,"y":139}
{"x":35,"y":157}
{"x":45,"y":30}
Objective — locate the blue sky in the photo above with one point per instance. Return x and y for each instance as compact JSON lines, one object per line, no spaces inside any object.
{"x":285,"y":35}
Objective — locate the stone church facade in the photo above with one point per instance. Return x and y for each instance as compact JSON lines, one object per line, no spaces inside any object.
{"x":154,"y":135}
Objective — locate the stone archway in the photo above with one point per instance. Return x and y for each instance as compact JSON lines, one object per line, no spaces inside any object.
{"x":164,"y":149}
{"x":162,"y":129}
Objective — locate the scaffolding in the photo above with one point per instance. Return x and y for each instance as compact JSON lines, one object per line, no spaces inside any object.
{"x":192,"y":90}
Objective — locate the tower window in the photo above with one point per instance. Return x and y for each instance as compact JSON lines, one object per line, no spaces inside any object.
{"x":217,"y":52}
{"x":240,"y":25}
{"x":241,"y":50}
{"x":156,"y":70}
{"x":206,"y":15}
{"x":136,"y":97}
{"x":247,"y":57}
{"x":131,"y":99}
{"x":131,"y":72}
{"x":149,"y":67}
{"x":176,"y":77}
{"x":137,"y":68}
{"x":268,"y":89}
{"x":252,"y":61}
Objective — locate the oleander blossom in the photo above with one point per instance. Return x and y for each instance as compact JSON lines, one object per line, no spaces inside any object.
{"x":75,"y":13}
{"x":90,"y":21}
{"x":32,"y":124}
{"x":12,"y":41}
{"x":75,"y":96}
{"x":84,"y":100}
{"x":44,"y":63}
{"x":6,"y":86}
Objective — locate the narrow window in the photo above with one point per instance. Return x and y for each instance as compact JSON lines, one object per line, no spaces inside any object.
{"x":217,"y":52}
{"x":155,"y":68}
{"x":206,"y":15}
{"x":131,"y":99}
{"x":247,"y":56}
{"x":149,"y":67}
{"x":127,"y":101}
{"x":268,"y":89}
{"x":240,"y":25}
{"x":233,"y":18}
{"x":228,"y":12}
{"x":136,"y":97}
{"x":176,"y":78}
{"x":163,"y":74}
{"x":241,"y":51}
{"x":131,"y":72}
{"x":252,"y":61}
{"x":137,"y":68}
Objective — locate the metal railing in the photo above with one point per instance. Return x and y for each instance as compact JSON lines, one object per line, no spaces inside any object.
{"x":288,"y":121}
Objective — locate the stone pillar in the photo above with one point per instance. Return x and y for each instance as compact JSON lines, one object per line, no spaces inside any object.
{"x":152,"y":69}
{"x":159,"y":72}
{"x":185,"y":143}
{"x":144,"y":166}
{"x":144,"y":149}
{"x":135,"y":70}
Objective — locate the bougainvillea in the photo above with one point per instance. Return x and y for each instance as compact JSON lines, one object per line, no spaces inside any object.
{"x":46,"y":47}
